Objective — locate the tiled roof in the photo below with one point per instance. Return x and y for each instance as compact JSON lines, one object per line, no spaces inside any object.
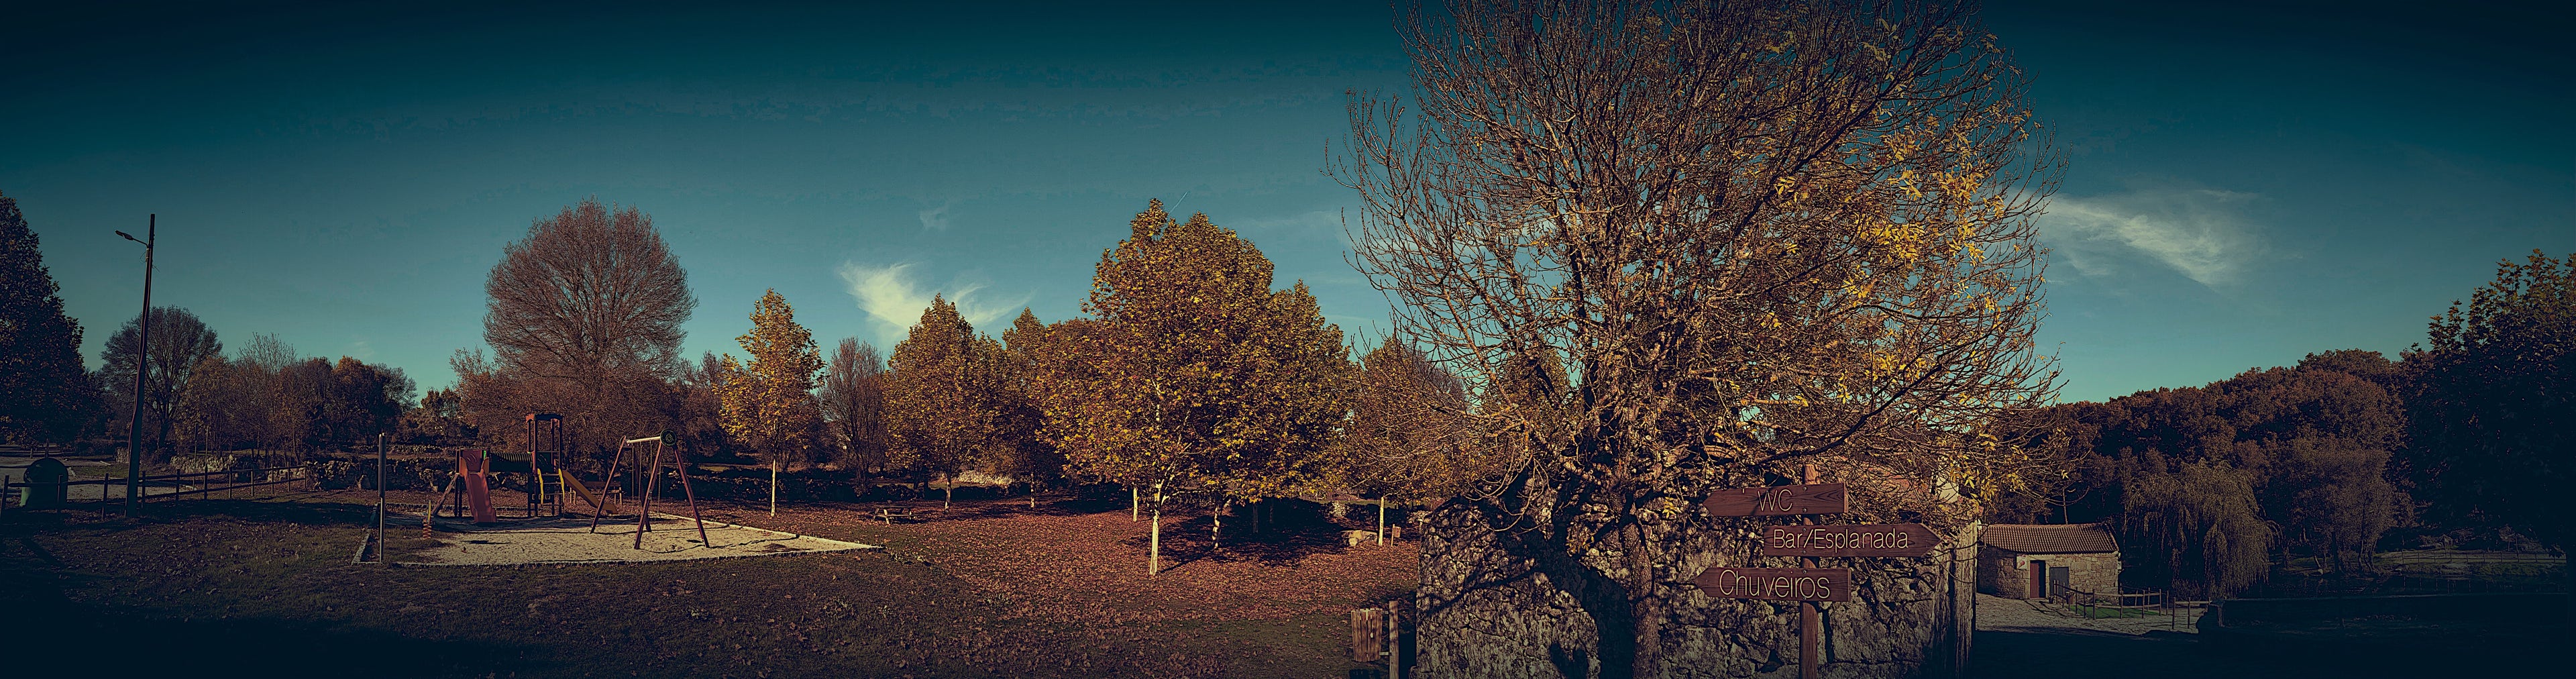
{"x":2071,"y":539}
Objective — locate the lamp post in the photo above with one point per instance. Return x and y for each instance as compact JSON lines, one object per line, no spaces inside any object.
{"x":142,"y":366}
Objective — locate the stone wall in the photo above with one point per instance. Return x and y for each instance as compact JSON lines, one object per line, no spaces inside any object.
{"x":1493,"y":606}
{"x":2007,"y":573}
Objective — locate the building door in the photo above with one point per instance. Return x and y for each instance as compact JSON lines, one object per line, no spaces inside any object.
{"x":2038,"y":580}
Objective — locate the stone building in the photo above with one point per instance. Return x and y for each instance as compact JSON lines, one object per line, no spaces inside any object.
{"x":2070,"y":562}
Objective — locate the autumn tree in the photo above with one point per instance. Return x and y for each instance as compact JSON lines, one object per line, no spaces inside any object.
{"x":2494,"y":395}
{"x":854,"y":406}
{"x":180,"y":343}
{"x":940,"y":400}
{"x":1409,"y":435}
{"x":1197,"y":377}
{"x":583,"y":320}
{"x":1018,"y":419}
{"x":48,"y":388}
{"x":769,"y":403}
{"x":1759,"y":235}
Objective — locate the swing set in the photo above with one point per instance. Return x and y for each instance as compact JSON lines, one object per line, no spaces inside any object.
{"x":471,"y":485}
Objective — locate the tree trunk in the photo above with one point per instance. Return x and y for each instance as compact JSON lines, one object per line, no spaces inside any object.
{"x":1154,"y":555}
{"x":773,"y":489}
{"x":1033,"y":496}
{"x":1216,"y":521}
{"x":1381,"y":522}
{"x":1133,"y":502}
{"x":950,"y":497}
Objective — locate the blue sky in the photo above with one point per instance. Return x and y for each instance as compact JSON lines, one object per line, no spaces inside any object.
{"x":2249,"y":183}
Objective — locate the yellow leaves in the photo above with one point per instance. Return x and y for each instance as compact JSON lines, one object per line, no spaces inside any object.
{"x":767,"y":403}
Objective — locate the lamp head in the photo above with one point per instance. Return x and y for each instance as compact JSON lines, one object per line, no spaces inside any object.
{"x":129,"y":236}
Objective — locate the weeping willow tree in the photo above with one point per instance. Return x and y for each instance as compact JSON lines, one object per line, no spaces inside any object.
{"x":1756,"y":235}
{"x":2203,"y":518}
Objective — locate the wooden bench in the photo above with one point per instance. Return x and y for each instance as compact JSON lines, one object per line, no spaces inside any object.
{"x":888,"y":515}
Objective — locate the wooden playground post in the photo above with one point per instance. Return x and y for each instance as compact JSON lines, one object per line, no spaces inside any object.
{"x":644,"y":513}
{"x":604,"y":505}
{"x":680,"y":460}
{"x":653,"y":476}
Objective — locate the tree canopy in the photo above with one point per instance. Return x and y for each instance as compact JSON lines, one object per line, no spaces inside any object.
{"x":180,"y":343}
{"x":768,"y":404}
{"x":2494,"y":396}
{"x":48,"y":388}
{"x":942,"y":396}
{"x":1198,"y":376}
{"x":584,"y":320}
{"x":1758,"y":235}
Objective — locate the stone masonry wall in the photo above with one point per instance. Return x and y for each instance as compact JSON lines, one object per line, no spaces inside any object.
{"x":1489,"y":611}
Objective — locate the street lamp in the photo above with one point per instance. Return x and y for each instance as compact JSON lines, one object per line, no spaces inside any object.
{"x":142,"y":365}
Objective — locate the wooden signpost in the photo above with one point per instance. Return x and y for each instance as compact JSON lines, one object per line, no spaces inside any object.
{"x":1777,"y":584}
{"x":1893,"y":539}
{"x":1814,"y":498}
{"x":1810,"y":586}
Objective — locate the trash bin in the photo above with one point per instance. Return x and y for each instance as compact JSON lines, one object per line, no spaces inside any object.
{"x":45,"y":470}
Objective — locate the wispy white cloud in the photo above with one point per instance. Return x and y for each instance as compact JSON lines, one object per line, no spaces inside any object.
{"x":2203,"y":233}
{"x":894,"y":296}
{"x":935,"y":219}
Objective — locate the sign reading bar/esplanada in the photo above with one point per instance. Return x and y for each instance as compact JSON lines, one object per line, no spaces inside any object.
{"x":1895,"y":539}
{"x":1813,"y":498}
{"x":1777,"y":584}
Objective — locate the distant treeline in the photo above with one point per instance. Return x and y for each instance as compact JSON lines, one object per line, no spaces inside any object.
{"x":2211,"y":487}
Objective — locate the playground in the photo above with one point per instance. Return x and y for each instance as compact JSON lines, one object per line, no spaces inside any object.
{"x":570,"y":540}
{"x":565,"y":521}
{"x":561,"y":580}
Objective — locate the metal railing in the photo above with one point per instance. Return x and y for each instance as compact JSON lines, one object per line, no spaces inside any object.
{"x":8,"y":489}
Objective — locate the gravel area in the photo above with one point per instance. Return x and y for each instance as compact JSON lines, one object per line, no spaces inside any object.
{"x":572,"y":540}
{"x":2020,"y":615}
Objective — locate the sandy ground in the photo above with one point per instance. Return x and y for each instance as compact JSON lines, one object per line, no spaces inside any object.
{"x":2018,"y":615}
{"x":572,"y":540}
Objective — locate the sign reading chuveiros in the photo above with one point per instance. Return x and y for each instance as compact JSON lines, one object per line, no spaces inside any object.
{"x":1777,"y":584}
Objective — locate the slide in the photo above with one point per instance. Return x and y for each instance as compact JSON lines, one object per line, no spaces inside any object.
{"x":478,"y":490}
{"x":583,"y":492}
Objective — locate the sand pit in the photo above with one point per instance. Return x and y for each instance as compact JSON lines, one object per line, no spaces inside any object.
{"x":568,"y":540}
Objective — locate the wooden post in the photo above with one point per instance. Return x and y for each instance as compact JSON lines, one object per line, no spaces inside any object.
{"x":604,"y":505}
{"x":1395,"y":638}
{"x":1154,"y":555}
{"x":380,"y":497}
{"x":1368,"y":634}
{"x":680,"y":463}
{"x":644,"y":510}
{"x":1811,"y":623}
{"x":1381,"y":521}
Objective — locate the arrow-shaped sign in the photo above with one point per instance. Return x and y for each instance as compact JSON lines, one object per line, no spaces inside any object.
{"x":1813,"y":498}
{"x":1896,"y":539}
{"x":1777,"y":584}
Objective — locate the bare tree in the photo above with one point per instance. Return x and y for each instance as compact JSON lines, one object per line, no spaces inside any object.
{"x":1760,"y":234}
{"x":853,"y":397}
{"x":584,"y":319}
{"x":180,"y":343}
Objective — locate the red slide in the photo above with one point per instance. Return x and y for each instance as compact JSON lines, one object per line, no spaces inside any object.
{"x":478,"y":491}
